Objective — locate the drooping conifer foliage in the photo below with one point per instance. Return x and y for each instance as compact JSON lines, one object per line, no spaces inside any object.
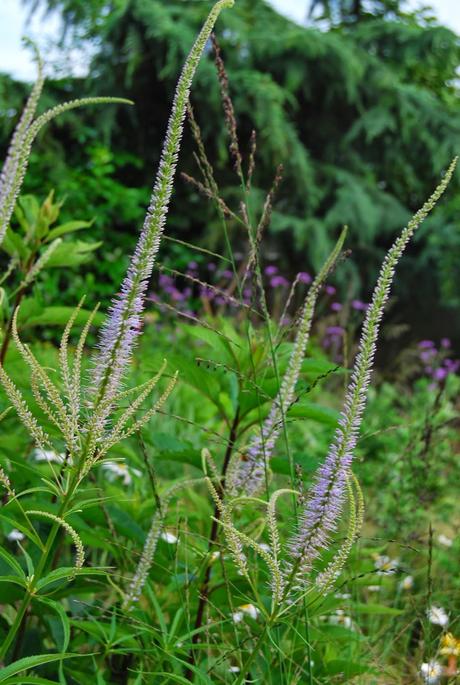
{"x":356,"y":114}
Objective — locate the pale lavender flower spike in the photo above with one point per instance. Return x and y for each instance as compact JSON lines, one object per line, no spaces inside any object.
{"x":122,"y":328}
{"x":15,"y":166}
{"x":10,"y":166}
{"x":248,"y":476}
{"x":322,"y":511}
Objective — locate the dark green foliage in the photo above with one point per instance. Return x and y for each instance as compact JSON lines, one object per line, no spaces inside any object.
{"x":364,"y":118}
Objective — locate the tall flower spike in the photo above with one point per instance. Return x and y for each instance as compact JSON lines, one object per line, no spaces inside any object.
{"x":123,"y":324}
{"x":248,"y":476}
{"x":322,"y":511}
{"x":16,"y":171}
{"x":80,"y":551}
{"x":10,"y":165}
{"x":326,"y":579}
{"x":151,"y":542}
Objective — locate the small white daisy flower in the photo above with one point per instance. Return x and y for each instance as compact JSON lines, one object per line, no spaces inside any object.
{"x":49,"y":456}
{"x":445,"y":541}
{"x":168,"y":537}
{"x":438,"y":616}
{"x":431,"y":672}
{"x":15,"y":535}
{"x":407,"y":583}
{"x":245,"y":609}
{"x":340,"y":619}
{"x":118,"y":469}
{"x":385,"y":565}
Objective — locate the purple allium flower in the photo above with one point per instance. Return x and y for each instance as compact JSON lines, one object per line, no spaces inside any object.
{"x":425,"y":344}
{"x":426,"y":355}
{"x":336,"y":306}
{"x":451,"y":365}
{"x":207,"y":293}
{"x":177,"y":296}
{"x":330,"y":290}
{"x":445,"y":343}
{"x":278,"y":282}
{"x":359,"y":305}
{"x":440,"y":374}
{"x":335,"y":330}
{"x":304,"y":277}
{"x":165,"y":281}
{"x":271,"y":270}
{"x":192,"y":266}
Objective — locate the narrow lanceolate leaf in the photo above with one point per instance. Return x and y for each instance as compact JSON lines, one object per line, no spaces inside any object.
{"x":29,"y":662}
{"x":124,"y":320}
{"x":16,"y":173}
{"x":248,"y":476}
{"x":322,"y":511}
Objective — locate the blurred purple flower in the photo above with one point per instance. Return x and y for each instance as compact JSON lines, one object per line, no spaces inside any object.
{"x":165,"y":281}
{"x":211,"y":266}
{"x":304,"y":277}
{"x":359,"y":305}
{"x":336,"y":306}
{"x":330,"y":290}
{"x":247,"y":292}
{"x":226,"y":273}
{"x":279,"y":281}
{"x":176,"y":295}
{"x":427,"y":355}
{"x":445,"y":343}
{"x":192,"y":265}
{"x":335,"y":330}
{"x":271,"y":270}
{"x":440,"y":374}
{"x":452,"y":365}
{"x":425,"y":344}
{"x":207,"y":293}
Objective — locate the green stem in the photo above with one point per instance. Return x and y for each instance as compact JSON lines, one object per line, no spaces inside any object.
{"x":252,"y":655}
{"x":16,"y":625}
